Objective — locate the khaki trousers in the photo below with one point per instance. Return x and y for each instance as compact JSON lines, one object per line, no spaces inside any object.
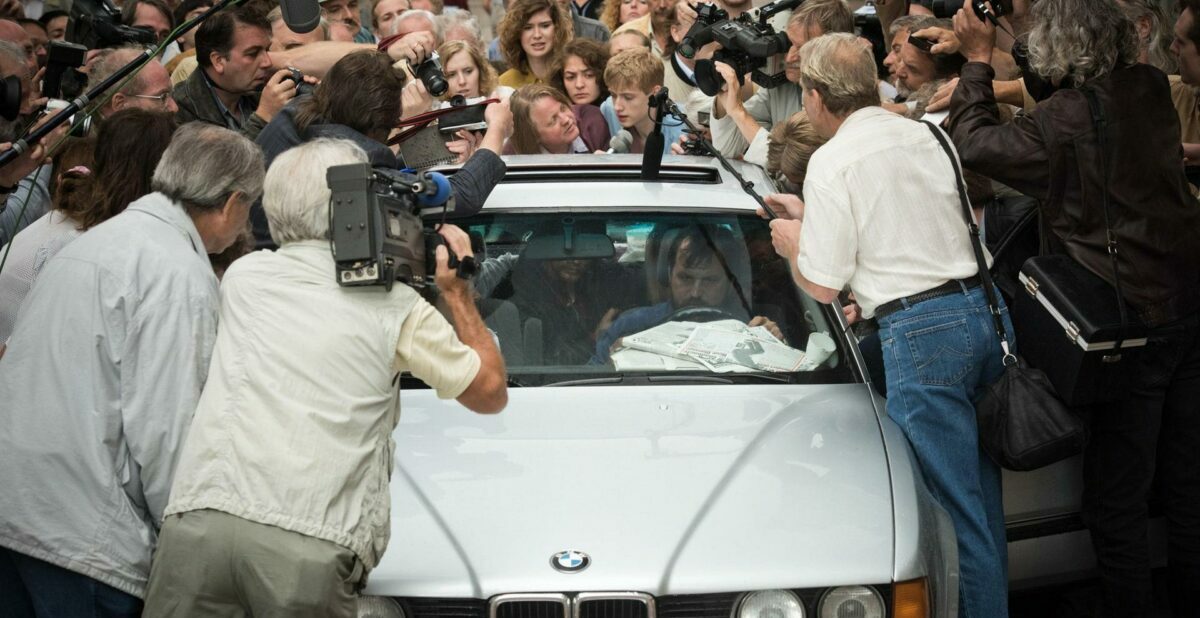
{"x":210,"y":563}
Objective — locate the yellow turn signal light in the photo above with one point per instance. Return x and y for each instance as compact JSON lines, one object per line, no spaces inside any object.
{"x":910,"y":599}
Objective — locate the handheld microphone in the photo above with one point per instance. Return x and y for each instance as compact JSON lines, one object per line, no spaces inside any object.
{"x":620,"y":143}
{"x":301,"y":15}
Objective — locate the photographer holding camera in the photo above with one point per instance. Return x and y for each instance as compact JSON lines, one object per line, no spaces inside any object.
{"x":303,"y":378}
{"x":360,"y":100}
{"x":232,"y":49}
{"x":740,"y":125}
{"x":1054,"y":153}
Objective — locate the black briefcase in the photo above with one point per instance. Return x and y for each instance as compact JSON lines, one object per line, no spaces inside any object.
{"x":1067,"y":323}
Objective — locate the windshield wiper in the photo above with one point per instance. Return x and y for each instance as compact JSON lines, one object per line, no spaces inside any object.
{"x":762,"y":376}
{"x":689,"y":378}
{"x":589,"y":381}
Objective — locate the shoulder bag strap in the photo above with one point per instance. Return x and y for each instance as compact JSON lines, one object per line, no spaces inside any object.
{"x":985,"y":276}
{"x":1101,"y":124}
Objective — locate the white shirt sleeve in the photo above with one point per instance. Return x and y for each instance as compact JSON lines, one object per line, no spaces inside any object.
{"x":829,"y":237}
{"x":429,"y":348}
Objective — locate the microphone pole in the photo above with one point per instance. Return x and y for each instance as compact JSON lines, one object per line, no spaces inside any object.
{"x":652,"y":154}
{"x":706,"y":147}
{"x":22,"y":145}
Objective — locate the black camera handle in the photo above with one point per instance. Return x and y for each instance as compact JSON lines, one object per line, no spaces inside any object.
{"x":669,"y":107}
{"x":23,"y":144}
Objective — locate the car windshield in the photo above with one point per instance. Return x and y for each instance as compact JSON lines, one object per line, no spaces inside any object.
{"x":584,"y":298}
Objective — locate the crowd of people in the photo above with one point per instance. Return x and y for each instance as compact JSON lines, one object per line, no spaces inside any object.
{"x":150,"y":412}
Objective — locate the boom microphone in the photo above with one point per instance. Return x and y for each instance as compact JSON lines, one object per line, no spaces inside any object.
{"x":301,"y":15}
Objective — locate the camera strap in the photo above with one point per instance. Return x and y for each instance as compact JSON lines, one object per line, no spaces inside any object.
{"x":985,"y":275}
{"x":420,"y":121}
{"x":1101,"y":123}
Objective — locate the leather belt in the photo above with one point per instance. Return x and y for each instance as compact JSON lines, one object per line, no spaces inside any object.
{"x":950,"y":287}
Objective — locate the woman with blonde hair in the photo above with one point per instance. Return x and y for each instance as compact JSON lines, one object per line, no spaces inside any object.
{"x":533,"y":34}
{"x":791,"y":145}
{"x":618,"y":12}
{"x":545,"y":122}
{"x":468,"y":73}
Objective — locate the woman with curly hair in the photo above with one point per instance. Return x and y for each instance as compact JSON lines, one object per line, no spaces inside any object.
{"x":581,"y":74}
{"x":618,"y":12}
{"x":533,"y":34}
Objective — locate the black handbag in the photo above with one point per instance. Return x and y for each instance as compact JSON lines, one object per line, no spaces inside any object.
{"x":1022,"y":423}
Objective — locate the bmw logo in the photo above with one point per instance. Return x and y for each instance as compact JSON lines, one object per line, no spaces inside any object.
{"x":570,"y":561}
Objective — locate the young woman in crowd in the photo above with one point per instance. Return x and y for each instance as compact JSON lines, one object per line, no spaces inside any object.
{"x":533,"y":35}
{"x":617,"y":12}
{"x":128,"y":146}
{"x":468,"y":73}
{"x":545,"y":122}
{"x":581,"y":74}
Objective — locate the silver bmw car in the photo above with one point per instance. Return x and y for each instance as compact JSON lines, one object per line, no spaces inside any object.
{"x":688,"y":435}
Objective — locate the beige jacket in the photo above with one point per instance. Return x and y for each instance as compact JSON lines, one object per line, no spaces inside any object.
{"x":294,"y":425}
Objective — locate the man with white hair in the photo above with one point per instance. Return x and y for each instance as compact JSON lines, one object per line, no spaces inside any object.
{"x":881,"y":213}
{"x":101,"y":377}
{"x":417,"y":20}
{"x":302,"y":379}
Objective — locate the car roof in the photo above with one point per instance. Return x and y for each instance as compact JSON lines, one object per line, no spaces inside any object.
{"x":613,"y":181}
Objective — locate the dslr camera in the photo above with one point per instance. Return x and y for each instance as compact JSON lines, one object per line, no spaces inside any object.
{"x":375,"y":226}
{"x":746,"y":44}
{"x":947,"y":8}
{"x":430,"y":73}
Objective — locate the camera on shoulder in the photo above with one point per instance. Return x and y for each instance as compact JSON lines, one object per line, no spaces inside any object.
{"x":376,"y":230}
{"x":747,"y":43}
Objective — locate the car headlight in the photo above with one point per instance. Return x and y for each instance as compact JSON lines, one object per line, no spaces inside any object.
{"x":379,"y":607}
{"x":851,"y":602}
{"x":770,"y":604}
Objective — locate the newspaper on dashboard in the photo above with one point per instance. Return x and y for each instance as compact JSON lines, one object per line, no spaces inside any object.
{"x":726,"y":346}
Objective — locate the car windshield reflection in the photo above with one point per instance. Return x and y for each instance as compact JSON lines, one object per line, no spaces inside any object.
{"x":601,"y":299}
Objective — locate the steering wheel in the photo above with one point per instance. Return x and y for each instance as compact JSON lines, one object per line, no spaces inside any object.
{"x":699,"y":314}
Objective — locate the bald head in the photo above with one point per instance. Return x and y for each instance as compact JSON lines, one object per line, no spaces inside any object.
{"x":12,"y":32}
{"x":146,"y":90}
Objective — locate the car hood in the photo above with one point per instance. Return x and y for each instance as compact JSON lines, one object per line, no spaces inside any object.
{"x":669,"y":489}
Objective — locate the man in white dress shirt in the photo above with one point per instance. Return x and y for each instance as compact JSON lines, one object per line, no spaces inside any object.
{"x":881,"y":214}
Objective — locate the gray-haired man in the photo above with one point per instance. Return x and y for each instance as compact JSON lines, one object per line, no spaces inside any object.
{"x":101,"y":377}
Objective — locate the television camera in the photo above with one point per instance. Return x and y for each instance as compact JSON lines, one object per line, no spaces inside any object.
{"x":375,"y":226}
{"x":747,"y":42}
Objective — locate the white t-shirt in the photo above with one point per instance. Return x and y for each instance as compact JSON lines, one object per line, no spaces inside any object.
{"x":882,"y":212}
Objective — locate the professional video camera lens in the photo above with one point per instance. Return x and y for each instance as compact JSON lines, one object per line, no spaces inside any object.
{"x":430,"y":73}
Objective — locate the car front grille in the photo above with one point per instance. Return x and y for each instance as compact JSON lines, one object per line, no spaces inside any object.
{"x":614,"y":608}
{"x":533,"y":605}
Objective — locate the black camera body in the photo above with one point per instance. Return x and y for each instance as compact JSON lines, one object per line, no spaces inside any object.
{"x":303,"y":88}
{"x":746,"y":44}
{"x":95,"y":24}
{"x":947,"y":8}
{"x":430,"y":73}
{"x":375,"y":227}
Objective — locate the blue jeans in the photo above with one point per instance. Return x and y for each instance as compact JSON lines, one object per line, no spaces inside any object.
{"x":937,"y":355}
{"x":32,"y":588}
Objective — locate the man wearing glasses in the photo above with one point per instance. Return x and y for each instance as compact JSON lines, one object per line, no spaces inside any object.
{"x":150,"y":89}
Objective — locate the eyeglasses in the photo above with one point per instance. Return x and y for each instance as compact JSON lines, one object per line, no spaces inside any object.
{"x":161,"y":98}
